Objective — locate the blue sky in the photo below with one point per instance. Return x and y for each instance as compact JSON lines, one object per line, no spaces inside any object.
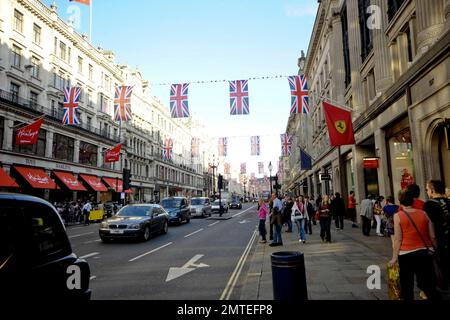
{"x":181,"y":41}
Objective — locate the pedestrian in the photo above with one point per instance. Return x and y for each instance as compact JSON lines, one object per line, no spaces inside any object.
{"x":324,"y":219}
{"x":389,"y":210}
{"x":262,"y":213}
{"x":338,"y":210}
{"x":366,"y":214}
{"x":299,"y":215}
{"x":270,"y":221}
{"x":352,"y":208}
{"x":87,"y":211}
{"x":415,"y":190}
{"x":438,"y":210}
{"x":377,"y":213}
{"x":310,"y":212}
{"x":414,"y":234}
{"x":276,"y":220}
{"x":287,"y":210}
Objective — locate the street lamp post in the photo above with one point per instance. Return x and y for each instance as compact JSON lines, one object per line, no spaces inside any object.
{"x":270,"y":177}
{"x":214,"y":167}
{"x":245,"y":194}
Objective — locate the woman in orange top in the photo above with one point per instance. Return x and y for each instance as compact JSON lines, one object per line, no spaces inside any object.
{"x":411,"y":251}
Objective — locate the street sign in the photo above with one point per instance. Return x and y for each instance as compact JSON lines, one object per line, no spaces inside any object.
{"x":122,"y":195}
{"x":325,"y":177}
{"x":186,"y":268}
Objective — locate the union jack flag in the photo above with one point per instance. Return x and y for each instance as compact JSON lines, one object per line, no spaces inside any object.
{"x":299,"y":94}
{"x":168,"y":149}
{"x":223,"y":147}
{"x":195,"y":146}
{"x":243,"y":168}
{"x":280,"y":169}
{"x":122,"y":104}
{"x":71,"y":99}
{"x":260,"y":167}
{"x":256,"y":149}
{"x":239,"y":97}
{"x":226,"y":168}
{"x":286,"y":145}
{"x":179,"y":106}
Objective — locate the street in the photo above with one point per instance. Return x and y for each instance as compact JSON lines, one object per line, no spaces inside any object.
{"x":205,"y":251}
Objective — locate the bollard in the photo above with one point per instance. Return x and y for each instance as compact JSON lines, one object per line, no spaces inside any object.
{"x":289,"y":276}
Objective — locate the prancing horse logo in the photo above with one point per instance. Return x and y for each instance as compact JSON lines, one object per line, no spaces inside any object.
{"x":341,"y":126}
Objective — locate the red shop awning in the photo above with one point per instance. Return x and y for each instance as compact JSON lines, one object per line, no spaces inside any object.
{"x":94,"y":183}
{"x":70,"y":181}
{"x":116,"y":184}
{"x":6,"y":181}
{"x":37,"y":178}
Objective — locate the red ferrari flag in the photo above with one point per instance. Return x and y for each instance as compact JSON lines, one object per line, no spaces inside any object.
{"x":86,"y":2}
{"x":113,"y":155}
{"x":339,"y":123}
{"x":29,"y":134}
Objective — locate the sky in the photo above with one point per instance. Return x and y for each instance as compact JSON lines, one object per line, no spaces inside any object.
{"x":183,"y":41}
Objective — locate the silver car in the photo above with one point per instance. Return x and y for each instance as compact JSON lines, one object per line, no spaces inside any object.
{"x":200,"y":207}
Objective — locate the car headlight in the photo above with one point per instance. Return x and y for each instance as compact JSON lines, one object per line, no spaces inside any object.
{"x":104,"y":225}
{"x":134,"y":226}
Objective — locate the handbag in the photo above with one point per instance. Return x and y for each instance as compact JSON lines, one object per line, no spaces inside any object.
{"x":317,"y":217}
{"x":437,"y":265}
{"x":394,"y":287}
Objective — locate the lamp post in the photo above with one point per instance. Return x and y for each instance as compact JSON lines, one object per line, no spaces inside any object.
{"x":270,"y":177}
{"x":244,"y":182}
{"x":214,"y":167}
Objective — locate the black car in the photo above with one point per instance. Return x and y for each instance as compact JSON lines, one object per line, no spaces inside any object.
{"x":36,"y":258}
{"x":137,"y":221}
{"x":235,"y":204}
{"x":178,"y":209}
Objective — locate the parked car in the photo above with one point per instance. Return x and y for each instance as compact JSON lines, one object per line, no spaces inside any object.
{"x":217,"y":204}
{"x":36,"y":258}
{"x":178,"y":209}
{"x":200,"y":207}
{"x":137,"y":221}
{"x":235,"y":203}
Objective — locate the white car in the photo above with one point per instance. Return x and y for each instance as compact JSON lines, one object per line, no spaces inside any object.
{"x":216,"y":206}
{"x":200,"y":207}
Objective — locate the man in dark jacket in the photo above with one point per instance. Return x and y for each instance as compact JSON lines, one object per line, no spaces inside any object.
{"x":287,"y":210}
{"x":338,"y":210}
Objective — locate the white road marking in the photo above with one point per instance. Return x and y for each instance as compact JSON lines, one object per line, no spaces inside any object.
{"x":186,"y":268}
{"x":210,"y":225}
{"x":90,"y":255}
{"x":75,"y":228}
{"x":80,"y":235}
{"x":238,"y":214}
{"x":93,"y":277}
{"x":237,"y":271}
{"x":190,"y":234}
{"x":154,"y":250}
{"x":92,"y":241}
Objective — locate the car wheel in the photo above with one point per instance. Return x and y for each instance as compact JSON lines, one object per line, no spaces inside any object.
{"x":188,"y":219}
{"x":165,"y":227}
{"x":146,"y":234}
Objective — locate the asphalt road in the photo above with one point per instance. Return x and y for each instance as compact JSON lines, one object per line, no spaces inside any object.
{"x":201,"y":260}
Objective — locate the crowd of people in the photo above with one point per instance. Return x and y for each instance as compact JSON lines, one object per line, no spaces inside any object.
{"x":419,"y":230}
{"x":77,"y":212}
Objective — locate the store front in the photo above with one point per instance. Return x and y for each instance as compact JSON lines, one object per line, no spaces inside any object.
{"x":7,"y":184}
{"x":33,"y":181}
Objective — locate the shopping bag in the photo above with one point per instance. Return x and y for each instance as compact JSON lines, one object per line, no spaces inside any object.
{"x":393,"y":276}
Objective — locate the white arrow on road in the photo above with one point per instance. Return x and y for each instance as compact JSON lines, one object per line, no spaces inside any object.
{"x":186,"y":268}
{"x":243,"y":221}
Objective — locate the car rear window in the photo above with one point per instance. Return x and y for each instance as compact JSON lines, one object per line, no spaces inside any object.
{"x":197,"y":202}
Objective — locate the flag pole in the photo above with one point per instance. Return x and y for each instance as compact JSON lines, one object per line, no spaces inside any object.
{"x":24,"y":124}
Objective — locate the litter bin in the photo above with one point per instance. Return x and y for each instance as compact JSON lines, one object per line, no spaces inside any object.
{"x":289,"y":276}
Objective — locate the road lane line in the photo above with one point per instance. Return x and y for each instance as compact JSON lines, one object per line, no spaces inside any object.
{"x":210,"y":225}
{"x":238,"y":214}
{"x":80,"y":235}
{"x":154,"y":250}
{"x":69,"y":228}
{"x":237,"y":270}
{"x":93,"y":277}
{"x":90,"y":255}
{"x":190,"y":234}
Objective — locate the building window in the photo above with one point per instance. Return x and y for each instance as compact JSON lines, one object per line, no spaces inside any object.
{"x":346,"y":45}
{"x":62,"y":51}
{"x":33,"y":98}
{"x":366,"y":33}
{"x":18,"y":21}
{"x":80,"y":65}
{"x":15,"y":89}
{"x":16,"y":56}
{"x":37,"y":149}
{"x":89,"y":123}
{"x":63,"y":147}
{"x":91,"y":72}
{"x":37,"y":31}
{"x":393,"y":7}
{"x":2,"y":128}
{"x":36,"y":66}
{"x":88,"y":154}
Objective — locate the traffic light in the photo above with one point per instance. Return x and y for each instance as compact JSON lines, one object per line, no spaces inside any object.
{"x":126,"y":177}
{"x":220,"y":182}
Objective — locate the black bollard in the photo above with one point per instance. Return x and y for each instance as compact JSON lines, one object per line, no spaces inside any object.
{"x":289,"y":276}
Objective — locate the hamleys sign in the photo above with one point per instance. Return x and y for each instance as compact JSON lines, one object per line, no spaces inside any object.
{"x":38,"y":179}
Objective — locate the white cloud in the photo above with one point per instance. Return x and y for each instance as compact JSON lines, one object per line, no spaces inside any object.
{"x":300,"y":10}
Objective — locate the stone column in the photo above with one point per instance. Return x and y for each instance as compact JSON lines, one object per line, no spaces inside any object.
{"x":430,"y":22}
{"x":383,"y":170}
{"x":355,"y":55}
{"x":49,"y":145}
{"x":99,"y":157}
{"x":76,"y":151}
{"x":402,"y":53}
{"x":380,"y":43}
{"x":8,"y":134}
{"x":337,"y":63}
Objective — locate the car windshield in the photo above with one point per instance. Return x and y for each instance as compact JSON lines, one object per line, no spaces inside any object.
{"x":171,"y":203}
{"x":196,"y":202}
{"x":135,"y":211}
{"x":217,"y":202}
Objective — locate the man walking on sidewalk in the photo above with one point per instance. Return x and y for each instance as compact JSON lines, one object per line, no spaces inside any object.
{"x":338,"y":209}
{"x":87,"y":211}
{"x":352,"y":208}
{"x":276,"y":220}
{"x":367,"y":215}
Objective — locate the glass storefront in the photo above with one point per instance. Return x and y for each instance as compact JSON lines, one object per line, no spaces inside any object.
{"x":350,"y":175}
{"x":401,"y":159}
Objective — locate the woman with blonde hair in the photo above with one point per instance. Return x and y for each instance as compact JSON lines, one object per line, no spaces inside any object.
{"x":324,"y":218}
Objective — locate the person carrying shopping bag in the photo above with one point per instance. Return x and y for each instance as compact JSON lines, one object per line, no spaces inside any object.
{"x":300,"y":217}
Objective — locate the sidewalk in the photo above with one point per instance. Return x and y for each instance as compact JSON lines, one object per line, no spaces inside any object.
{"x":334,"y":271}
